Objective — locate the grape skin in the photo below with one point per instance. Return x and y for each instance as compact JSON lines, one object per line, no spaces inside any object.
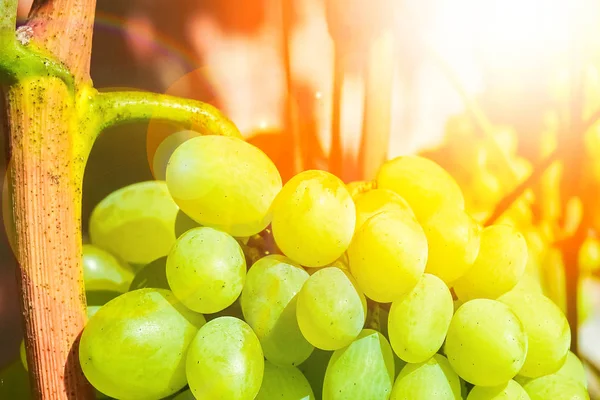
{"x":419,"y":320}
{"x":224,"y":182}
{"x":313,"y":218}
{"x":486,"y":342}
{"x":225,"y":361}
{"x":102,"y":271}
{"x":509,"y":391}
{"x":432,"y":379}
{"x":134,"y":347}
{"x":547,"y":329}
{"x":206,"y":269}
{"x":375,"y":252}
{"x":135,"y":223}
{"x":284,"y":383}
{"x":331,"y":311}
{"x":269,"y":305}
{"x":362,"y":370}
{"x":555,"y":387}
{"x":377,"y":200}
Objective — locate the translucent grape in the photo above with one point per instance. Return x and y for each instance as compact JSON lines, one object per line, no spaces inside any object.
{"x":269,"y":305}
{"x":547,"y":329}
{"x":185,"y":395}
{"x":573,"y":368}
{"x":432,"y":379}
{"x":225,"y":361}
{"x":424,"y":184}
{"x":224,"y":183}
{"x":102,"y":271}
{"x":136,"y":223}
{"x":555,"y":387}
{"x":362,"y":370}
{"x":377,"y":200}
{"x":284,"y":383}
{"x":486,"y":343}
{"x":206,"y":270}
{"x":419,"y":320}
{"x":498,"y":267}
{"x":388,"y":255}
{"x":313,"y":218}
{"x":508,"y":391}
{"x":453,"y":239}
{"x":331,"y":311}
{"x":134,"y":347}
{"x":165,"y":149}
{"x":92,"y":310}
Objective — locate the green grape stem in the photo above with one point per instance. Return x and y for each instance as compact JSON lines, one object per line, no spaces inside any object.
{"x":116,"y":108}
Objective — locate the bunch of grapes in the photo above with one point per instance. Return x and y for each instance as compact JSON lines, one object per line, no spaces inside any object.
{"x":222,"y":283}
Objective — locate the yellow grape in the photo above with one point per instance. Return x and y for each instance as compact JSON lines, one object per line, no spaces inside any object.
{"x":432,"y":379}
{"x":165,"y":149}
{"x":135,"y":223}
{"x":573,"y":368}
{"x":555,"y":387}
{"x":508,"y":391}
{"x":331,"y":311}
{"x":375,"y":201}
{"x":486,"y":342}
{"x":313,"y":218}
{"x":422,"y":183}
{"x":419,"y":320}
{"x":453,"y":239}
{"x":547,"y":330}
{"x":358,"y":187}
{"x":388,"y":255}
{"x":284,"y":383}
{"x":362,"y":370}
{"x":499,"y":265}
{"x":224,"y":183}
{"x":103,"y":272}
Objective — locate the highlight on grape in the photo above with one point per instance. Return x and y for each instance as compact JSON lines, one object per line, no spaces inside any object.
{"x":316,"y":289}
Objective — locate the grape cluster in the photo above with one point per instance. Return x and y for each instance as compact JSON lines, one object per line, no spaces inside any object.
{"x":313,"y":289}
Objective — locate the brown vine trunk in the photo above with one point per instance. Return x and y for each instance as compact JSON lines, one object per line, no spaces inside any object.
{"x":45,"y":178}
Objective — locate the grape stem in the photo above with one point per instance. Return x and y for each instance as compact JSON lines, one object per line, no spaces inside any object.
{"x":117,"y":108}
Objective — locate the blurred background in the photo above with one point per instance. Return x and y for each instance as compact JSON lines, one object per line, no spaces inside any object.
{"x":503,"y":94}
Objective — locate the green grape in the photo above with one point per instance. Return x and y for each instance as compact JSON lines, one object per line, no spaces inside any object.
{"x":224,"y":183}
{"x":153,"y":275}
{"x":498,"y":267}
{"x":388,"y":255}
{"x":225,"y":361}
{"x":508,"y":391}
{"x":92,"y":310}
{"x":419,"y":320}
{"x":362,"y":370}
{"x":377,"y":200}
{"x":269,"y":305}
{"x":135,"y":346}
{"x":555,"y":387}
{"x":486,"y":343}
{"x":422,"y":183}
{"x":573,"y":368}
{"x":314,"y":369}
{"x":135,"y":223}
{"x":433,"y":379}
{"x":453,"y":238}
{"x":165,"y":149}
{"x":331,"y":310}
{"x":547,"y":329}
{"x":206,"y":270}
{"x":284,"y":383}
{"x":23,"y":354}
{"x":102,"y":271}
{"x":313,"y":218}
